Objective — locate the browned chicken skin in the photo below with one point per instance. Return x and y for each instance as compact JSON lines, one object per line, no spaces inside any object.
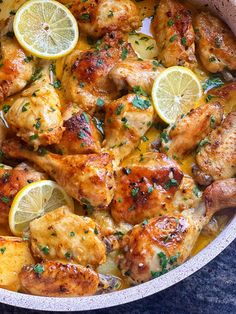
{"x":216,"y":43}
{"x":98,"y":17}
{"x":174,"y":34}
{"x":75,"y":173}
{"x":58,"y":279}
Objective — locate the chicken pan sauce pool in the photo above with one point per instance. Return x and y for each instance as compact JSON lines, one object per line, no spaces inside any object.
{"x":155,"y":194}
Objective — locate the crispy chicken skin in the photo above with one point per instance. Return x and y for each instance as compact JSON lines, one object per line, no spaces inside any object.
{"x":131,"y":73}
{"x":126,"y":121}
{"x":173,"y":30}
{"x":11,"y":182}
{"x":216,"y":43}
{"x":17,"y":68}
{"x":61,"y":234}
{"x":85,"y":77}
{"x":184,"y":136}
{"x":75,"y":173}
{"x":146,"y":188}
{"x":80,"y":135}
{"x":217,"y":155}
{"x":35,"y":116}
{"x":59,"y":280}
{"x":98,"y":17}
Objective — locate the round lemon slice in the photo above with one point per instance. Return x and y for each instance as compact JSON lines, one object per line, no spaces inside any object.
{"x":46,"y":28}
{"x":33,"y":201}
{"x":175,"y":92}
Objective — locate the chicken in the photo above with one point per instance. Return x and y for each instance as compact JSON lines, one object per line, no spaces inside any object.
{"x":151,"y":187}
{"x":87,"y":178}
{"x":127,"y":120}
{"x":11,"y":182}
{"x":173,"y":30}
{"x":216,"y":43}
{"x":61,"y":234}
{"x":135,"y":74}
{"x":56,"y":279}
{"x":98,"y":17}
{"x":80,"y":135}
{"x":160,"y":244}
{"x":85,"y":77}
{"x":182,"y":137}
{"x":216,"y":155}
{"x":17,"y":67}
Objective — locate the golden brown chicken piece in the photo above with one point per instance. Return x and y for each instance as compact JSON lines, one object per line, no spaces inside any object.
{"x":127,"y":120}
{"x":183,"y":137}
{"x":35,"y":116}
{"x":172,"y":26}
{"x":133,"y":74}
{"x":160,"y":244}
{"x":11,"y":182}
{"x":56,"y":279}
{"x":217,"y":153}
{"x":80,"y":135}
{"x":216,"y":43}
{"x":87,"y":178}
{"x":151,"y":187}
{"x":17,"y":68}
{"x":85,"y":78}
{"x":98,"y":17}
{"x":61,"y":234}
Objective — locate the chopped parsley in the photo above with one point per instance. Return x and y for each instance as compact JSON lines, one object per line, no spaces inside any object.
{"x":3,"y":249}
{"x":124,"y":53}
{"x":139,"y":91}
{"x":212,"y":82}
{"x":140,"y":103}
{"x":38,"y":269}
{"x":100,"y":102}
{"x":134,"y":192}
{"x":170,"y":183}
{"x":119,"y":109}
{"x":202,"y":143}
{"x":173,"y":38}
{"x":5,"y":108}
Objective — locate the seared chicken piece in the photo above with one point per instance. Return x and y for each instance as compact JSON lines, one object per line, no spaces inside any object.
{"x":172,"y":26}
{"x":80,"y":135}
{"x":157,"y":246}
{"x":85,"y":77}
{"x":216,"y":43}
{"x":145,"y":188}
{"x":127,"y":120}
{"x":17,"y":68}
{"x":56,"y":279}
{"x":61,"y":234}
{"x":133,"y":73}
{"x":35,"y":116}
{"x":14,"y":254}
{"x":183,"y":137}
{"x":98,"y":17}
{"x":87,"y":178}
{"x":11,"y":182}
{"x":217,"y":152}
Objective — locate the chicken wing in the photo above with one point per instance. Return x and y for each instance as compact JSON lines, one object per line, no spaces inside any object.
{"x":11,"y":182}
{"x":35,"y":116}
{"x":127,"y":120}
{"x":17,"y":68}
{"x":98,"y":17}
{"x":183,"y":137}
{"x":80,"y":135}
{"x":87,"y":178}
{"x":133,"y":74}
{"x":216,"y":43}
{"x":217,"y":153}
{"x":61,"y":234}
{"x":172,"y":26}
{"x":85,"y":77}
{"x":56,"y":279}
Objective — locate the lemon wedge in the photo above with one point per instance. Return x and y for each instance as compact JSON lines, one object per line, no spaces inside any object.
{"x":33,"y":201}
{"x":175,"y":92}
{"x":46,"y":28}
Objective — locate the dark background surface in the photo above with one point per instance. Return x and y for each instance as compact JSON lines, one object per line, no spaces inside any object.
{"x":211,"y":290}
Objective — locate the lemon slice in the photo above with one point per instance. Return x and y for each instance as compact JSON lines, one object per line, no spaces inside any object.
{"x":33,"y":201}
{"x":46,"y":28}
{"x":174,"y":92}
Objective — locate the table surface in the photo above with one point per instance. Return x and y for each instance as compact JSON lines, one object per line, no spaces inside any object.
{"x":211,"y":290}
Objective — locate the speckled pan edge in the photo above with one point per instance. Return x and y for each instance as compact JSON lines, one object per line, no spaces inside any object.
{"x":227,"y":10}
